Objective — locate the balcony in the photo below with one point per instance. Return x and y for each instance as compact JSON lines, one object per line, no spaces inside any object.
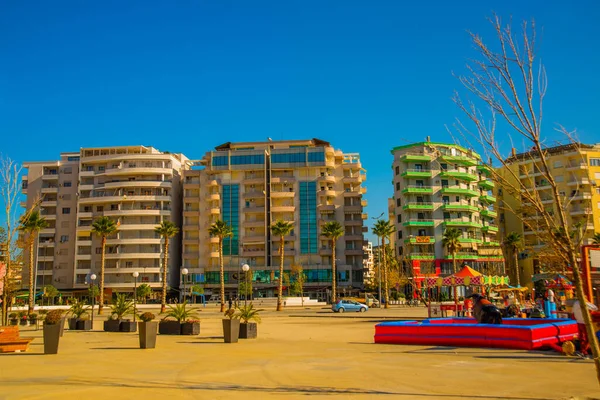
{"x":137,"y":211}
{"x":488,"y":198}
{"x":419,"y":222}
{"x":460,"y":222}
{"x":137,"y":183}
{"x":462,"y":160}
{"x":282,"y":194}
{"x":348,"y":222}
{"x":484,"y":169}
{"x":488,"y":213}
{"x":418,"y":190}
{"x":463,"y":256}
{"x":214,"y":196}
{"x":253,"y":252}
{"x":459,"y":190}
{"x":327,"y":178}
{"x":580,"y":211}
{"x":50,"y":177}
{"x":576,"y":166}
{"x":417,"y":173}
{"x":489,"y":228}
{"x":579,"y":182}
{"x":459,"y":207}
{"x":415,"y":157}
{"x":283,"y":179}
{"x":486,"y":184}
{"x":254,"y":223}
{"x":353,"y":252}
{"x":356,"y":178}
{"x":421,"y":256}
{"x":469,"y":240}
{"x":116,"y":199}
{"x":353,"y":236}
{"x":50,"y":189}
{"x":283,"y":208}
{"x":254,"y":210}
{"x":253,"y":194}
{"x":134,"y":241}
{"x":137,"y":170}
{"x":420,"y":240}
{"x":353,"y":209}
{"x":118,"y":256}
{"x":353,"y":193}
{"x":215,"y":210}
{"x":325,"y":251}
{"x":581,"y":196}
{"x":326,"y":207}
{"x":464,"y":176}
{"x":327,"y":192}
{"x":48,"y":203}
{"x":418,"y":206}
{"x":491,"y":244}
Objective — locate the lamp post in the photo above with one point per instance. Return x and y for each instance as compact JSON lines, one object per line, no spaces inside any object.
{"x":184,"y":272}
{"x":378,"y":261}
{"x":246,"y":268}
{"x":135,"y":276}
{"x":93,"y":279}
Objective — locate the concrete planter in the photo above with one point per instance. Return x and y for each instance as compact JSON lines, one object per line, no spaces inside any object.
{"x":14,"y":321}
{"x":148,"y":334}
{"x":72,"y":324}
{"x":84,"y":325}
{"x":62,"y":325}
{"x":231,"y":330}
{"x":112,"y":325}
{"x":127,"y":326}
{"x":169,"y":328}
{"x":249,"y":330}
{"x":190,"y":328}
{"x":51,"y":338}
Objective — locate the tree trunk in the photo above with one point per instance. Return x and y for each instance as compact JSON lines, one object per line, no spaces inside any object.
{"x":333,"y":274}
{"x":386,"y":285}
{"x":517,"y":272}
{"x":102,"y":255}
{"x":280,"y":289}
{"x":163,"y":301}
{"x":221,"y":274}
{"x":31,"y":271}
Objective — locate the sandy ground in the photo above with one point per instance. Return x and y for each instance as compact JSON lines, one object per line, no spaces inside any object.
{"x":298,"y":353}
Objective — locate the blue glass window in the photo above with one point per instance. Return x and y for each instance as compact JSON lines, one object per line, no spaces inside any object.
{"x":287,"y":158}
{"x":231,"y":215}
{"x":248,"y":159}
{"x":308,"y":218}
{"x":316,"y":156}
{"x":219,"y":161}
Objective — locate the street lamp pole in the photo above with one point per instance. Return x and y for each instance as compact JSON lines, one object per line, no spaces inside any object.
{"x":184,"y":272}
{"x":246,"y":268}
{"x":379,"y":261}
{"x":135,"y":276}
{"x":93,"y":287}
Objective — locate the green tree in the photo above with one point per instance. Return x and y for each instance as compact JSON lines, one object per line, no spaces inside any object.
{"x":93,"y":291}
{"x":451,"y":240}
{"x":222,"y":230}
{"x":245,"y":285}
{"x":196,"y":290}
{"x":143,"y":292}
{"x":596,"y":239}
{"x":298,"y":279}
{"x":103,"y":227}
{"x":50,"y":292}
{"x":166,"y":230}
{"x":32,"y":224}
{"x":281,"y":228}
{"x":333,"y":230}
{"x":383,"y":229}
{"x":513,"y":243}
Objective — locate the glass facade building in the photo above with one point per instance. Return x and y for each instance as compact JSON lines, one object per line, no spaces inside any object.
{"x":231,"y":215}
{"x":308,"y":218}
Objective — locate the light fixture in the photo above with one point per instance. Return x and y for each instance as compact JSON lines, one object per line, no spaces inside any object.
{"x":135,"y":274}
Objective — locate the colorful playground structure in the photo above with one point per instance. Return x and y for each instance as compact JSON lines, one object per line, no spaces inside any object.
{"x":514,"y":333}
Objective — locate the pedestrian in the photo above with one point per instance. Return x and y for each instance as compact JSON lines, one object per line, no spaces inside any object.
{"x":468,"y":307}
{"x":578,"y":314}
{"x":230,"y":302}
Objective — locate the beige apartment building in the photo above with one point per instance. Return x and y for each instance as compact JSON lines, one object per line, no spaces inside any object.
{"x":250,"y":186}
{"x":576,"y":169}
{"x":439,"y":186}
{"x":137,"y":186}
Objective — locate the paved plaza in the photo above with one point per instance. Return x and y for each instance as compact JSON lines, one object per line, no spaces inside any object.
{"x":298,"y":353}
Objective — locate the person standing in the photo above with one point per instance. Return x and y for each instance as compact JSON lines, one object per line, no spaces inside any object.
{"x":578,"y":314}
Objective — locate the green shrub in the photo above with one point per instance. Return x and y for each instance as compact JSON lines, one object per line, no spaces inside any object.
{"x":12,"y":315}
{"x":78,"y":310}
{"x":180,"y":312}
{"x":248,"y":313}
{"x":146,"y":317}
{"x":121,"y":306}
{"x":54,"y":317}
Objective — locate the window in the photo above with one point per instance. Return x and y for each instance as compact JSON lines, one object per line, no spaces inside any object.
{"x":64,"y":238}
{"x":444,"y":167}
{"x":559,"y":178}
{"x":316,"y":156}
{"x":399,"y":202}
{"x":397,"y":185}
{"x":420,"y":183}
{"x":444,"y":183}
{"x":399,"y":234}
{"x":66,"y":210}
{"x":248,"y":159}
{"x":219,"y":161}
{"x":595,"y":162}
{"x":399,"y":217}
{"x":458,"y":199}
{"x":557,"y":164}
{"x":67,"y":184}
{"x":129,"y":264}
{"x":99,"y":208}
{"x":597,"y":175}
{"x":446,"y":200}
{"x":418,"y":167}
{"x":99,"y":250}
{"x":291,"y":158}
{"x":397,"y":170}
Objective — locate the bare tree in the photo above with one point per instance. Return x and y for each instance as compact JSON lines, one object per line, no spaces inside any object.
{"x":506,"y":87}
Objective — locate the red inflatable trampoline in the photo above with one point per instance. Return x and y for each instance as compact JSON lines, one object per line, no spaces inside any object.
{"x":514,"y":333}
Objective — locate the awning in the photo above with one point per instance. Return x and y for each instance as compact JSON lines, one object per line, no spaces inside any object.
{"x":26,"y":295}
{"x":466,"y":271}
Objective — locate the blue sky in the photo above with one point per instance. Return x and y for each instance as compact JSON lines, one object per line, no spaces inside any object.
{"x":189,"y":75}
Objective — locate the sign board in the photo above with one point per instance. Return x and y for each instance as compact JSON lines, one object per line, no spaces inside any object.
{"x":435,"y":310}
{"x":595,"y":260}
{"x":423,"y":239}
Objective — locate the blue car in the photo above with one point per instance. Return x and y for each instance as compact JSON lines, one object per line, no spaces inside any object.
{"x":349,"y":305}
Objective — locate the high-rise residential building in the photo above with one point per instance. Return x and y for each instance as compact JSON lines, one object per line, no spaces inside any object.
{"x":576,"y":169}
{"x":136,"y":186}
{"x":368,"y":263}
{"x":252,"y":185}
{"x":439,"y":186}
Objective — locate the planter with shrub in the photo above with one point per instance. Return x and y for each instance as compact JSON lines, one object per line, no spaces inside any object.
{"x":33,"y":317}
{"x":84,"y":324}
{"x":22,"y":318}
{"x":248,"y":330}
{"x":52,"y":331}
{"x":116,"y":323}
{"x":77,"y":321}
{"x":190,"y":327}
{"x":231,"y":327}
{"x":181,"y":315}
{"x":148,"y":329}
{"x":14,"y":320}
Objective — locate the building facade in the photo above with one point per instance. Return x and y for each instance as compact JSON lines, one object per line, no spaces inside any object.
{"x":439,"y":186}
{"x":576,"y":169}
{"x":252,"y":185}
{"x":136,"y":186}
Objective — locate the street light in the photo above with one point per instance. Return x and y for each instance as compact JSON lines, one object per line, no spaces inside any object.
{"x":379,"y":260}
{"x":135,"y":276}
{"x":93,"y":279}
{"x":184,"y":272}
{"x":246,"y":268}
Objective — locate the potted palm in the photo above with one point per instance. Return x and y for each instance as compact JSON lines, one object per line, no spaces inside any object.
{"x":180,"y":313}
{"x":231,"y":327}
{"x":116,"y":323}
{"x":13,"y":318}
{"x":52,"y":331}
{"x":33,"y":319}
{"x":77,"y":321}
{"x":248,"y":330}
{"x":148,"y":329}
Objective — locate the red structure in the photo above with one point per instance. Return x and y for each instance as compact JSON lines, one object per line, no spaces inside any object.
{"x":514,"y":333}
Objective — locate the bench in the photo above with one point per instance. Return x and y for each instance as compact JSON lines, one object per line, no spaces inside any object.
{"x":10,"y":341}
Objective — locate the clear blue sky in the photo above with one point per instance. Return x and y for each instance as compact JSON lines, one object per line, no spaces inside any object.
{"x":185,"y":76}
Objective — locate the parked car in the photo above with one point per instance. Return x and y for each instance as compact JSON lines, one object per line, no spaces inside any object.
{"x":349,"y":305}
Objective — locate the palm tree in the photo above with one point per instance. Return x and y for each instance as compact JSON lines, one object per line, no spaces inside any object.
{"x":383,"y":229}
{"x":333,"y":230}
{"x":512,"y":242}
{"x":167,"y":230}
{"x":451,"y":240}
{"x":103,"y":227}
{"x":32,"y":224}
{"x":221,"y":229}
{"x":596,"y":239}
{"x":281,"y":228}
{"x":143,"y":292}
